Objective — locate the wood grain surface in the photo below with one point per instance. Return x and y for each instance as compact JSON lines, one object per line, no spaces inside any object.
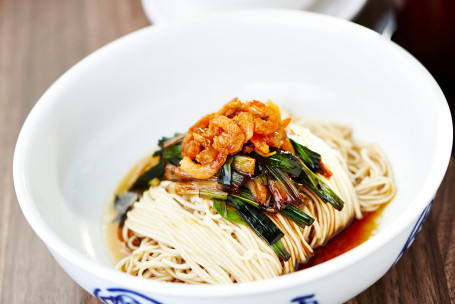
{"x":41,"y":39}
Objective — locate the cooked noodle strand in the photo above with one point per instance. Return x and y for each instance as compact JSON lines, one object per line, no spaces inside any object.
{"x":183,"y":239}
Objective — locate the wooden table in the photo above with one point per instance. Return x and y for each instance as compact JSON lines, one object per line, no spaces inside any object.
{"x":39,"y":40}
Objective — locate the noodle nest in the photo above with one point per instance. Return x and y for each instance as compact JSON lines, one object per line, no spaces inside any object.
{"x":183,"y":239}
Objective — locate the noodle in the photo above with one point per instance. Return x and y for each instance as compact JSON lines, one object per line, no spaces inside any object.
{"x":369,"y":170}
{"x":183,"y":239}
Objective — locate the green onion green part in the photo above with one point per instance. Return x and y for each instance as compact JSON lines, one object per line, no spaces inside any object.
{"x":282,"y":160}
{"x":233,"y":216}
{"x":212,"y":194}
{"x":308,"y":156}
{"x":225,"y":173}
{"x":296,"y":215}
{"x":286,"y":182}
{"x":229,"y":214}
{"x":172,"y":154}
{"x":326,"y":194}
{"x":279,"y":248}
{"x":247,"y":196}
{"x":257,"y":220}
{"x":142,"y":183}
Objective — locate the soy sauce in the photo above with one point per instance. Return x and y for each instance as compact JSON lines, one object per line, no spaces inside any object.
{"x":352,"y":236}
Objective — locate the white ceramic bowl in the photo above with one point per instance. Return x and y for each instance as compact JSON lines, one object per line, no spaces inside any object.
{"x":108,"y":111}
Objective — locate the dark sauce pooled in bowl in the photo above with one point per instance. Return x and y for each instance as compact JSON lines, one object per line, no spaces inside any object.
{"x":358,"y":232}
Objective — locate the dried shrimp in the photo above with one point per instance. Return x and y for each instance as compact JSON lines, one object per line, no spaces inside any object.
{"x":254,"y":124}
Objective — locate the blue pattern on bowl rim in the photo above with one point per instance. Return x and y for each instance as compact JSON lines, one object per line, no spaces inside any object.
{"x":122,"y":296}
{"x":126,"y":296}
{"x":306,"y":299}
{"x":417,"y":227}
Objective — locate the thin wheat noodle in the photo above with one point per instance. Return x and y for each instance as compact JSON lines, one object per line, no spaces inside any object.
{"x":183,"y":239}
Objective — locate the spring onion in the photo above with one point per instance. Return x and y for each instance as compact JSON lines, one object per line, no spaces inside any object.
{"x":296,"y":215}
{"x":322,"y":190}
{"x":122,"y":204}
{"x":142,"y":183}
{"x":279,"y":248}
{"x":258,"y":188}
{"x":229,"y":214}
{"x":308,"y":156}
{"x":257,"y":220}
{"x":170,"y":154}
{"x":244,"y":165}
{"x":225,"y":173}
{"x":282,"y":160}
{"x":283,"y":189}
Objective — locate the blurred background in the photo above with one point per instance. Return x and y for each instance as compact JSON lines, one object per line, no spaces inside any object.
{"x":41,"y":39}
{"x":426,"y":28}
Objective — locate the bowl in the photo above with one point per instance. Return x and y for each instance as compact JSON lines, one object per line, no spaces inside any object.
{"x":108,"y":111}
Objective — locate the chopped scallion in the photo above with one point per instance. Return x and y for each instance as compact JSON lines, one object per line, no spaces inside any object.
{"x":295,"y":214}
{"x":282,"y":160}
{"x":316,"y":184}
{"x":225,"y":173}
{"x":142,"y":183}
{"x":229,"y":214}
{"x":279,"y":248}
{"x":244,"y":164}
{"x":257,"y":220}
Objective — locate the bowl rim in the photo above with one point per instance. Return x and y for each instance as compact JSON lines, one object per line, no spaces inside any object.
{"x":61,"y":248}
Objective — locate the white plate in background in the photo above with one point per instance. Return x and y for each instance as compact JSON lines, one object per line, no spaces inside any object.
{"x":344,"y":9}
{"x":163,"y":11}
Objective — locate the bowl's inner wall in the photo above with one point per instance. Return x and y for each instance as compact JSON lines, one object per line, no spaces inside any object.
{"x":109,"y":111}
